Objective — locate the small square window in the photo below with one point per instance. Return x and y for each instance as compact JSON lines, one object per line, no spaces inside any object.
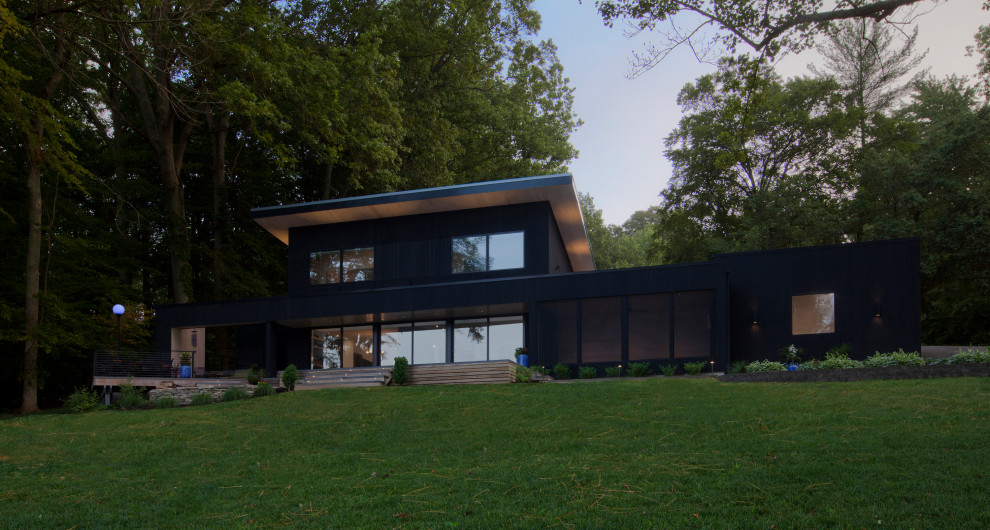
{"x":324,"y":267}
{"x":359,"y":264}
{"x":813,"y":314}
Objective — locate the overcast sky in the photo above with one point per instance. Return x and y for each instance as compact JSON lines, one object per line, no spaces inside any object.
{"x":621,"y":161}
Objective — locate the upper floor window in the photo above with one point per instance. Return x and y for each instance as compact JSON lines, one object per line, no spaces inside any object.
{"x":489,"y":252}
{"x":336,"y":266}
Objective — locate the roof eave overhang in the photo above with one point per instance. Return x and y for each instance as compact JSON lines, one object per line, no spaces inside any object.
{"x":557,"y":190}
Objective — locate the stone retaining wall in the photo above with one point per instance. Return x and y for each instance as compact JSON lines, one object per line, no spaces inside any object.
{"x":861,"y":374}
{"x":184,"y":395}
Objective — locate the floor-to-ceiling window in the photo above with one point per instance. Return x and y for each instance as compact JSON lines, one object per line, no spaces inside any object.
{"x":487,"y":339}
{"x":396,"y":341}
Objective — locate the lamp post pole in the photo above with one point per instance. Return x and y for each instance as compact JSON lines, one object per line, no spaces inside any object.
{"x":118,"y":310}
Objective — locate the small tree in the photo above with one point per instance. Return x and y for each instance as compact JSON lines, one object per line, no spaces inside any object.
{"x":400,"y":371}
{"x":290,"y":376}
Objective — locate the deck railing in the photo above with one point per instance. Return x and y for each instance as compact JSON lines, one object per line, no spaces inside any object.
{"x":134,"y":364}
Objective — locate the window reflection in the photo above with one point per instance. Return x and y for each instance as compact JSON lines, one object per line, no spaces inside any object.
{"x":488,"y":252}
{"x":325,"y":352}
{"x":505,"y":334}
{"x":469,"y":254}
{"x":429,"y":342}
{"x":813,"y":314}
{"x":359,"y":264}
{"x":396,"y":342}
{"x":324,"y":267}
{"x":358,"y":347}
{"x":471,"y":340}
{"x":505,"y":251}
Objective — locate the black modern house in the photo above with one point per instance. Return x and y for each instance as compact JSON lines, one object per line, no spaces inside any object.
{"x":469,"y":273}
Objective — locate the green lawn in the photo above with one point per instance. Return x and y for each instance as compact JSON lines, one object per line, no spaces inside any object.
{"x":629,"y":453}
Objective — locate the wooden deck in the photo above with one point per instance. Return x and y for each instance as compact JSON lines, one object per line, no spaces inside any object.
{"x":481,"y":373}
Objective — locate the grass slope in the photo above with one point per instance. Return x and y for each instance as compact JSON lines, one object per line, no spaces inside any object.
{"x":630,"y":453}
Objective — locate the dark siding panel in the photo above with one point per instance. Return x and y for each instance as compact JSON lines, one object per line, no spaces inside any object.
{"x":559,"y":262}
{"x":861,"y":275}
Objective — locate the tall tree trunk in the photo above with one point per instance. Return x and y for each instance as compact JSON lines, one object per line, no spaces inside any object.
{"x":29,"y":374}
{"x":218,"y":132}
{"x":327,"y":182}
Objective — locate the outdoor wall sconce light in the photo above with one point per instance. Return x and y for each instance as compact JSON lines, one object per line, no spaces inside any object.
{"x":876,"y":311}
{"x":756,"y":318}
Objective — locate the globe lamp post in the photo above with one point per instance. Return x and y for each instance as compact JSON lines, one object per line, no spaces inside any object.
{"x":118,"y":310}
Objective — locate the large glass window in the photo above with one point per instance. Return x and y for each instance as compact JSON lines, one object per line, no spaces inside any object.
{"x":505,"y":251}
{"x":488,"y":252}
{"x":359,"y":343}
{"x":471,"y":340}
{"x":326,"y":349}
{"x":492,"y":339}
{"x":396,"y":342}
{"x":601,"y":329}
{"x":429,"y":342}
{"x":469,"y":254}
{"x":693,"y":323}
{"x":359,"y":264}
{"x":813,"y":314}
{"x":334,"y":266}
{"x":649,"y":327}
{"x":505,"y":334}
{"x":324,"y":267}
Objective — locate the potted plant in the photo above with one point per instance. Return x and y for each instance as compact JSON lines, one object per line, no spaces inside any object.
{"x":185,"y":364}
{"x":792,"y":356}
{"x":522,"y":356}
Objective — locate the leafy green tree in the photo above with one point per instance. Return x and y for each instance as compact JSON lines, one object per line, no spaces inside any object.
{"x":768,"y":27}
{"x":619,"y":247}
{"x":863,"y":56}
{"x":929,"y":176}
{"x":758,"y":163}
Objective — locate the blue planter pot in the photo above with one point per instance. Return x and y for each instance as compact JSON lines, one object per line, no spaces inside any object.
{"x":185,"y":371}
{"x":523,"y":360}
{"x":791,"y":367}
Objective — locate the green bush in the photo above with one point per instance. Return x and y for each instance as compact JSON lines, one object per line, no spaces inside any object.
{"x":523,"y":374}
{"x":587,"y":372}
{"x":836,"y":358}
{"x":843,"y":350}
{"x":131,"y":398}
{"x":254,"y":374}
{"x":165,"y":403}
{"x":791,"y":354}
{"x":289,"y":377}
{"x":765,"y":366}
{"x":897,"y":358}
{"x":969,"y":357}
{"x":201,"y":399}
{"x":400,"y":371}
{"x":234,"y":394}
{"x":639,"y":369}
{"x":613,"y":371}
{"x":737,"y":367}
{"x":81,"y":400}
{"x":695,"y":368}
{"x":561,"y":371}
{"x":263,"y":389}
{"x":668,"y":369}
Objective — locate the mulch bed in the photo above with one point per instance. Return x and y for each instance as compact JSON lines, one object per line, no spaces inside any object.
{"x":861,"y":374}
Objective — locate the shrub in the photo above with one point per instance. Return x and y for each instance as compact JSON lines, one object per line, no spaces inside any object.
{"x":843,"y":350}
{"x":668,"y":369}
{"x":400,"y":371}
{"x":837,"y":358}
{"x":289,"y":377}
{"x":639,"y":369}
{"x":263,"y":389}
{"x":234,"y":394}
{"x":897,"y":358}
{"x":791,"y":354}
{"x":523,"y":374}
{"x":969,"y":357}
{"x":613,"y":371}
{"x":81,"y":400}
{"x":165,"y":403}
{"x":695,"y":368}
{"x":737,"y":367}
{"x":765,"y":366}
{"x":254,"y":374}
{"x":561,"y":371}
{"x":587,"y":372}
{"x":201,"y":399}
{"x":131,"y":398}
